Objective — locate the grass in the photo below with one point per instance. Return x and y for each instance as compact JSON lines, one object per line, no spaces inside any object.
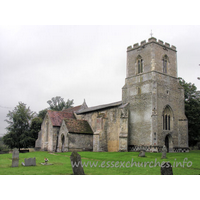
{"x":62,"y":166}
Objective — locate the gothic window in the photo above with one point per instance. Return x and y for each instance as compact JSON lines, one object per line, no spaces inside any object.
{"x":165,"y":61}
{"x":140,"y":64}
{"x":167,"y":118}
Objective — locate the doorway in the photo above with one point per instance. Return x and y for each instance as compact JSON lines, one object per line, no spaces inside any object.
{"x":169,"y":143}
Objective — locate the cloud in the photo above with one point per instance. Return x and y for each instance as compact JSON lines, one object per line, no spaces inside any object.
{"x":79,"y":62}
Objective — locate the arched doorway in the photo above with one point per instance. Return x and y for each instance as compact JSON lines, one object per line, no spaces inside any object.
{"x":169,"y":143}
{"x":63,"y":142}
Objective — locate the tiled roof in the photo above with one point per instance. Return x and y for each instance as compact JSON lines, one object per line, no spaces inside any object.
{"x":78,"y":126}
{"x":58,"y":116}
{"x":73,"y":109}
{"x":101,"y":107}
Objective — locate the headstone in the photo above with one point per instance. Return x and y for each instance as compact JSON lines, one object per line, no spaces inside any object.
{"x":30,"y":161}
{"x":166,"y":169}
{"x":76,"y":164}
{"x":15,"y":158}
{"x":164,"y":152}
{"x":142,"y":153}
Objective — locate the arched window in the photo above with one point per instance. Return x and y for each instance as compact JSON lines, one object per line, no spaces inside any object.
{"x":165,"y":62}
{"x":140,"y":64}
{"x":167,"y":118}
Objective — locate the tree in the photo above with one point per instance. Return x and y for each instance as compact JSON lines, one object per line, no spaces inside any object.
{"x":57,"y":103}
{"x":35,"y":127}
{"x":19,"y":120}
{"x":192,"y":111}
{"x":42,"y":113}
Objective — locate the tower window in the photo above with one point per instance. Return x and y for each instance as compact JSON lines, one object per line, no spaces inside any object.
{"x":140,"y":65}
{"x":167,"y":118}
{"x":165,"y":61}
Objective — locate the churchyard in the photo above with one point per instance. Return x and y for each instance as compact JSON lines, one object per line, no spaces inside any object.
{"x":107,"y":163}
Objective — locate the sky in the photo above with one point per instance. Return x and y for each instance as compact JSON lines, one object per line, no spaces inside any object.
{"x":38,"y":62}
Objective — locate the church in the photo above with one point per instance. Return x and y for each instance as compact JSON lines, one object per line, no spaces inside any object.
{"x":151,"y":113}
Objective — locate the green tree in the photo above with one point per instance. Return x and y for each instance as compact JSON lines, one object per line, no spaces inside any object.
{"x":57,"y":103}
{"x":35,"y":127}
{"x":42,"y":113}
{"x":192,"y":111}
{"x":18,"y":135}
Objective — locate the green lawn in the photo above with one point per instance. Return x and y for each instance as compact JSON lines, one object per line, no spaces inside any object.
{"x":62,"y":166}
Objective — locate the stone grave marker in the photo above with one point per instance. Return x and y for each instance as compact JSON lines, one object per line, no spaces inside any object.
{"x":142,"y":153}
{"x":166,"y":169}
{"x":15,"y":158}
{"x":76,"y":164}
{"x":164,"y":152}
{"x":30,"y":161}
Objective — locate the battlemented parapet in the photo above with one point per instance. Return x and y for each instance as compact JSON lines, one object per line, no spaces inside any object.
{"x":151,"y":40}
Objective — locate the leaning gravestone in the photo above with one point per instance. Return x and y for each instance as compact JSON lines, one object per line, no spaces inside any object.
{"x":164,"y":152}
{"x":76,"y":164}
{"x":15,"y":158}
{"x":142,"y":153}
{"x":166,"y":169}
{"x":30,"y":162}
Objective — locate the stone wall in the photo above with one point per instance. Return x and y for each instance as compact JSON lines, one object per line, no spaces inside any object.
{"x":106,"y":125}
{"x":80,"y":142}
{"x":47,"y":137}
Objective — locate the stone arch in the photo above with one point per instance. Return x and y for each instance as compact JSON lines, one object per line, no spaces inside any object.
{"x":138,"y":57}
{"x":167,"y":118}
{"x":62,"y":142}
{"x":166,"y":57}
{"x":140,"y":64}
{"x":166,"y":62}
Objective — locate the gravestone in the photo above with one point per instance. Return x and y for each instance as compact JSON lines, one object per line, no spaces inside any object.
{"x":142,"y":153}
{"x":164,"y":152}
{"x":76,"y":164}
{"x":166,"y":169}
{"x":30,"y":161}
{"x":15,"y":158}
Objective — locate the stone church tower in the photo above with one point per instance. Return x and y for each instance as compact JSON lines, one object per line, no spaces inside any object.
{"x":155,"y":97}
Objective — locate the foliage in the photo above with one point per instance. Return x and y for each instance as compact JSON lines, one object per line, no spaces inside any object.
{"x":2,"y":145}
{"x":192,"y":111}
{"x":57,"y":103}
{"x":35,"y":127}
{"x":19,"y":120}
{"x":42,"y":113}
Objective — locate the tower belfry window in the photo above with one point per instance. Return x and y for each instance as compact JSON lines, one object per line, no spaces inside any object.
{"x":140,"y":65}
{"x":165,"y":60}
